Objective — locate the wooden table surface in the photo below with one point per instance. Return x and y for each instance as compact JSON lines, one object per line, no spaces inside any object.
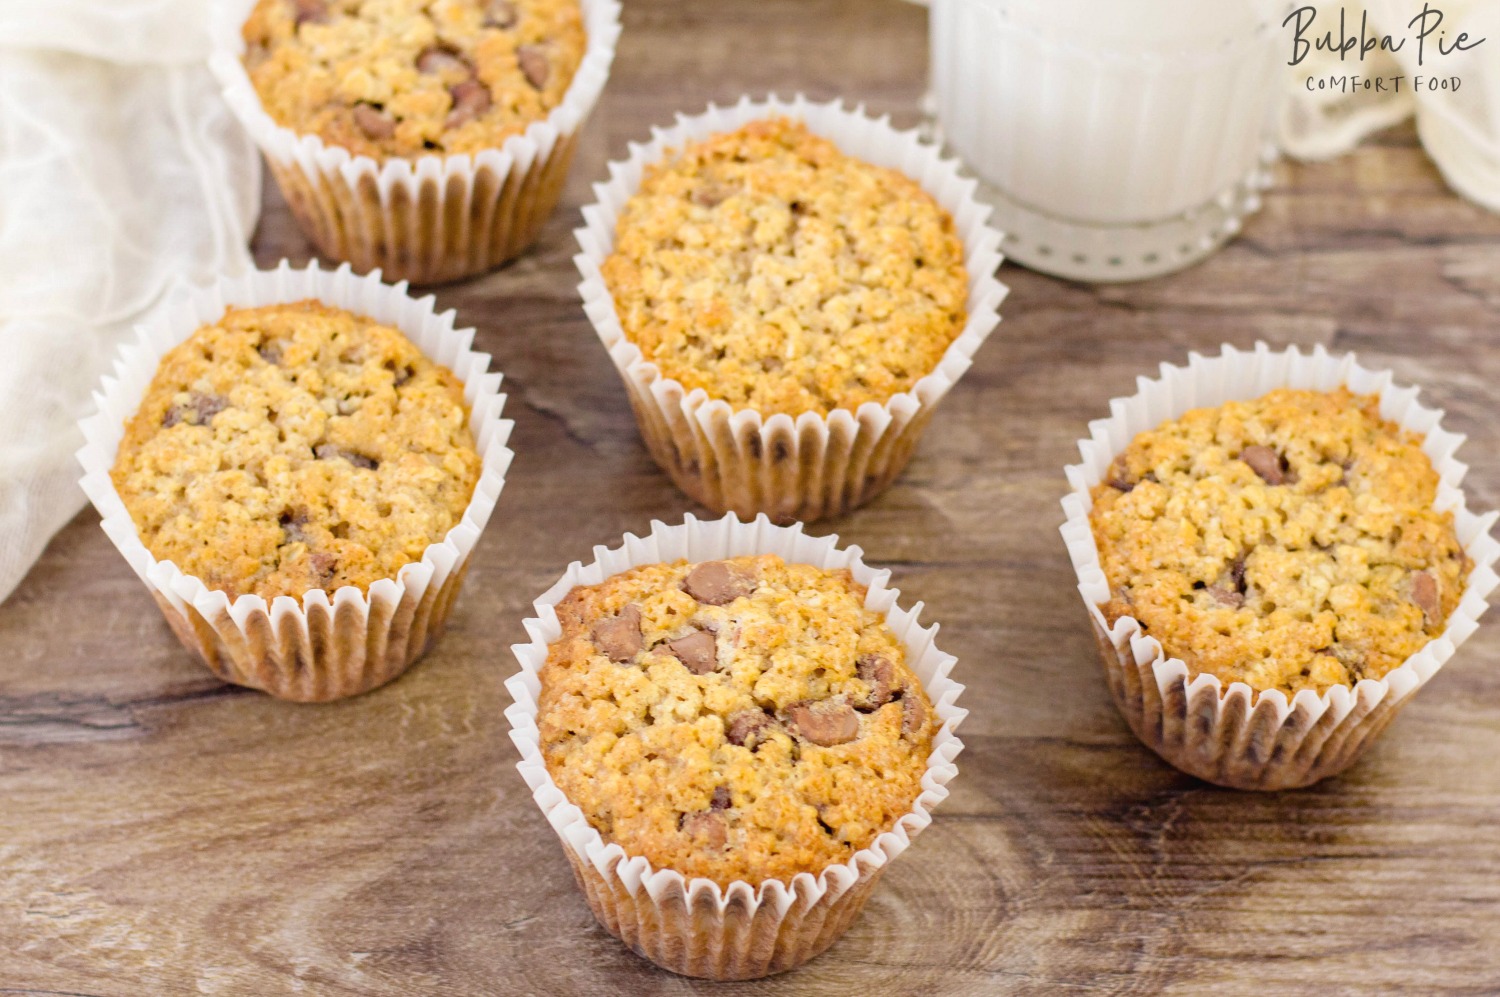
{"x":161,"y":833}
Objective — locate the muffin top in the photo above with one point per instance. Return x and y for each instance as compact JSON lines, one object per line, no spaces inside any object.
{"x":402,"y":78}
{"x":295,"y":447}
{"x":1288,"y":542}
{"x":778,"y":274}
{"x":741,"y":719}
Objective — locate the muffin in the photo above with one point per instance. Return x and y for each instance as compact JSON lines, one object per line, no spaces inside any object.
{"x":1289,"y":542}
{"x":298,"y":464}
{"x":733,"y":729}
{"x":348,"y":98}
{"x":408,"y":77}
{"x":293,"y":447}
{"x":774,"y":272}
{"x":785,"y":305}
{"x":1275,"y":555}
{"x":744,"y":719}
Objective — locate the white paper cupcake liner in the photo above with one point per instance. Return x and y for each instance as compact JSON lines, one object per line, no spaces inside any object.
{"x":692,"y":926}
{"x":434,"y":218}
{"x":326,"y":645}
{"x":810,"y":466}
{"x":1236,"y":736}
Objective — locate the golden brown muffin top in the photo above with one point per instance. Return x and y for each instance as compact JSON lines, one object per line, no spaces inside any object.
{"x":402,"y":78}
{"x":776,"y":273}
{"x":740,"y":719}
{"x":1288,"y":542}
{"x":295,"y":447}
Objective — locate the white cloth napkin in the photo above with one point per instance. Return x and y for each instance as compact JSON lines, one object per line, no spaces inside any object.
{"x":1459,"y":130}
{"x":120,"y":172}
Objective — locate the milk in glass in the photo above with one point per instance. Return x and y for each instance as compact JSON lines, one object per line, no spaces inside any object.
{"x":1118,"y":139}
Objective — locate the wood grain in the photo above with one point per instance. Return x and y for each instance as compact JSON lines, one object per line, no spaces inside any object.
{"x":163,"y":834}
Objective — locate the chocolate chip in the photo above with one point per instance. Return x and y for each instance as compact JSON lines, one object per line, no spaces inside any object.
{"x":711,"y":194}
{"x":328,"y":451}
{"x":1118,"y":476}
{"x":721,"y":800}
{"x":1225,"y":596}
{"x":399,"y":375}
{"x":698,"y":651}
{"x":619,"y":637}
{"x":374,"y":122}
{"x":534,"y":65}
{"x":310,"y":11}
{"x":780,"y":451}
{"x":1265,"y":462}
{"x":198,"y":410}
{"x":1351,"y":658}
{"x":880,"y":675}
{"x":827,"y":722}
{"x":270,"y":351}
{"x":471,"y":98}
{"x":1424,"y":593}
{"x":441,"y":59}
{"x":748,"y":728}
{"x":292,"y":526}
{"x":708,"y":825}
{"x":324,"y":565}
{"x":913,"y":714}
{"x":1230,"y":588}
{"x":715,"y":583}
{"x":500,"y":14}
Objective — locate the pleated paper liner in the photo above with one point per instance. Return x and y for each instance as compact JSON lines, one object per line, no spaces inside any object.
{"x":1237,"y":737}
{"x":808,"y":466}
{"x":693,"y":926}
{"x":435,"y":218}
{"x":327,"y":645}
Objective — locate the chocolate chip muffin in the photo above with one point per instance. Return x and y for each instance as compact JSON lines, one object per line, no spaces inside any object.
{"x":774,"y":272}
{"x":296,"y":447}
{"x":745,"y":719}
{"x":400,"y":78}
{"x":1288,"y":542}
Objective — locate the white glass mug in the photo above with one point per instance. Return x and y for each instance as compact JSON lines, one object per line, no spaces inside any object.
{"x":1118,"y":140}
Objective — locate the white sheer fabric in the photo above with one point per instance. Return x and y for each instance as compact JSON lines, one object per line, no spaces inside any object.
{"x":120,"y":171}
{"x":1460,"y":130}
